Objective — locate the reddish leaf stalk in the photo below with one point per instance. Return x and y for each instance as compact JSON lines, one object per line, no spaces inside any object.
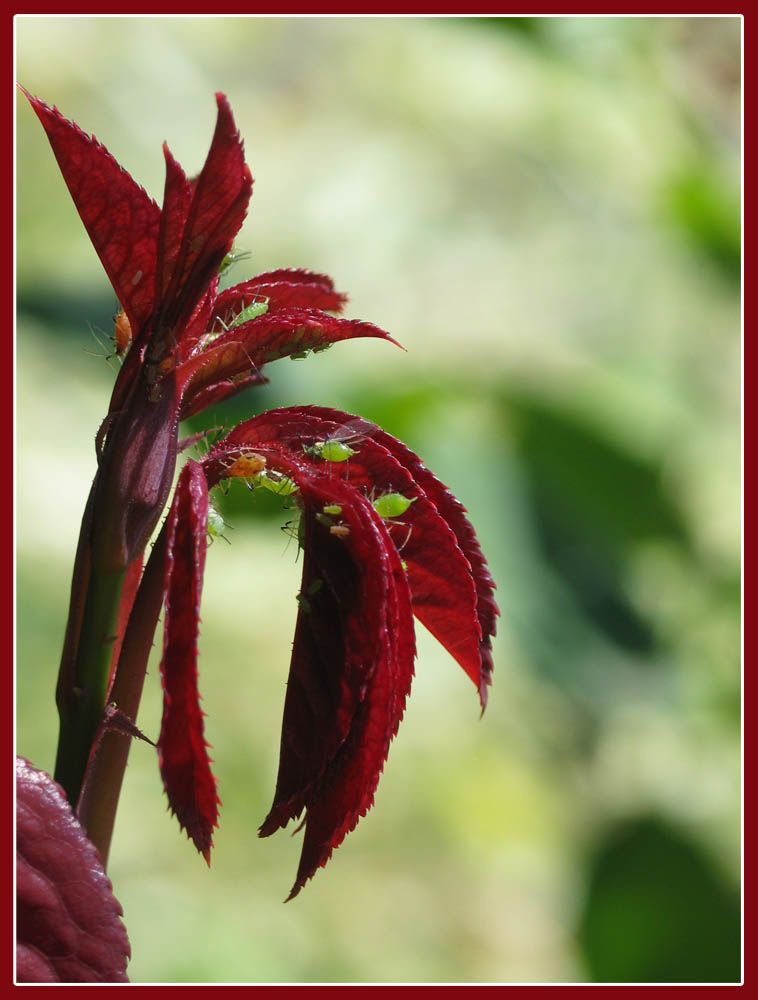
{"x":81,"y":706}
{"x":105,"y":772}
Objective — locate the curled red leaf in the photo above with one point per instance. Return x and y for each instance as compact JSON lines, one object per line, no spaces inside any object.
{"x":182,"y":750}
{"x":455,"y":514}
{"x":364,"y":575}
{"x":68,"y":922}
{"x":448,"y":597}
{"x":246,"y":348}
{"x":351,"y":670}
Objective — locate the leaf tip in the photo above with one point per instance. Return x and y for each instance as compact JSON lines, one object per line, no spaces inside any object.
{"x":294,"y":891}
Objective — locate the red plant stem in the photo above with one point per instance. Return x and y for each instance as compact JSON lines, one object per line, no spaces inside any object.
{"x":102,"y":785}
{"x":81,"y":696}
{"x":79,"y":585}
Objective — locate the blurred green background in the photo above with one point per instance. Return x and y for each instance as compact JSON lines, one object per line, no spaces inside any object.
{"x":545,"y":213}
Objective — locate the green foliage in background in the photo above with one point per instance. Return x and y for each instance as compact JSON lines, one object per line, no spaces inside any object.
{"x":545,"y":213}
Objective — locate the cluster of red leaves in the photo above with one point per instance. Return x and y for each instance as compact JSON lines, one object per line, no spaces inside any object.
{"x":185,"y":354}
{"x":364,"y":578}
{"x":364,"y":575}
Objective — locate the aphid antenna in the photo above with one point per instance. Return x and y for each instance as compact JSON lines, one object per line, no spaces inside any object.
{"x":227,"y":540}
{"x":103,"y":347}
{"x":255,"y":369}
{"x":291,"y":530}
{"x":231,"y":258}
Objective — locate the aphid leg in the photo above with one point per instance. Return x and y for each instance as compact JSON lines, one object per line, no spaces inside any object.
{"x":391,"y":524}
{"x":215,"y":524}
{"x":294,"y":529}
{"x":104,"y":352}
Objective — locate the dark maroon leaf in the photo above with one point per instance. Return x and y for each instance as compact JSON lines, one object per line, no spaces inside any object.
{"x":121,"y":220}
{"x":336,"y":802}
{"x":352,"y":660}
{"x":68,"y":926}
{"x":440,"y":576}
{"x":346,"y":691}
{"x":340,"y":611}
{"x":454,"y":513}
{"x":182,"y":750}
{"x":320,"y":699}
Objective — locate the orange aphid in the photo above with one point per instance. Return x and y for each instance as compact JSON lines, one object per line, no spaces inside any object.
{"x":246,"y":466}
{"x":340,"y":530}
{"x":122,"y":332}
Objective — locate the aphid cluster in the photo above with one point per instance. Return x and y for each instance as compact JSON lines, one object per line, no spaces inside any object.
{"x":325,"y":516}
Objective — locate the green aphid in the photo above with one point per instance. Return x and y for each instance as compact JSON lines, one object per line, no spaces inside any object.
{"x":392,"y":505}
{"x":336,"y":451}
{"x":282,"y":486}
{"x":321,"y":347}
{"x":253,"y":311}
{"x":304,"y":603}
{"x":315,"y":587}
{"x":333,"y":508}
{"x":298,"y":355}
{"x":231,"y":258}
{"x":330,"y":451}
{"x":324,"y":519}
{"x":216,"y":523}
